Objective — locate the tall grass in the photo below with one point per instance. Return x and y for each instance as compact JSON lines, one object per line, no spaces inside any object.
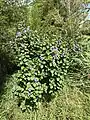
{"x":69,"y":104}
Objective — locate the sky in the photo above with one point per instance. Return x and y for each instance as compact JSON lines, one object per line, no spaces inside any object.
{"x":88,"y":7}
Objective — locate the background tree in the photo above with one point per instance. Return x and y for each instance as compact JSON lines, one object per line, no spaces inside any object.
{"x":56,"y":15}
{"x":12,"y":14}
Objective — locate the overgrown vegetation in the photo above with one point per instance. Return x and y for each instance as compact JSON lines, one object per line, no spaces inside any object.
{"x":44,"y":60}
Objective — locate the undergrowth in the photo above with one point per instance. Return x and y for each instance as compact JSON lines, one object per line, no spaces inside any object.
{"x":69,"y":104}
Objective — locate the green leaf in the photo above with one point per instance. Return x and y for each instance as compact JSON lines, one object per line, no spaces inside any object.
{"x":22,"y":68}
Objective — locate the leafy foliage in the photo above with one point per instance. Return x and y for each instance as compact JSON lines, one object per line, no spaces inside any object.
{"x":44,"y":58}
{"x":56,"y":15}
{"x":11,"y":15}
{"x":43,"y":64}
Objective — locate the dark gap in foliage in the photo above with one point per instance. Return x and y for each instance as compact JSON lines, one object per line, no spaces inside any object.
{"x":6,"y":68}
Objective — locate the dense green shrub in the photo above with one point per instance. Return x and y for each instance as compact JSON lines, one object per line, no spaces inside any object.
{"x":43,"y":64}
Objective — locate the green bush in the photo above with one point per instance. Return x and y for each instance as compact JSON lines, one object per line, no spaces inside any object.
{"x":43,"y":64}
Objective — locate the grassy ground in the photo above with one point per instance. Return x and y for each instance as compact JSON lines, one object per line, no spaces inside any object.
{"x":69,"y":104}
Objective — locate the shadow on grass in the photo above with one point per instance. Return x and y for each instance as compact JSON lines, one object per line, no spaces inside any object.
{"x":7,"y":68}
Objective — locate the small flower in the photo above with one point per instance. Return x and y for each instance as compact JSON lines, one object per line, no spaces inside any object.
{"x":41,"y":58}
{"x":18,"y":34}
{"x":55,"y":52}
{"x":35,"y":80}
